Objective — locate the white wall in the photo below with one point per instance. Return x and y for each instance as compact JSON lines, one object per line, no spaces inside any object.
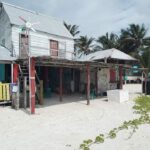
{"x":83,"y":78}
{"x":133,"y":88}
{"x":40,"y":43}
{"x":103,"y":80}
{"x":5,"y":29}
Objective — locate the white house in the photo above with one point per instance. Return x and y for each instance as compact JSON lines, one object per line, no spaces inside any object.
{"x":50,"y":39}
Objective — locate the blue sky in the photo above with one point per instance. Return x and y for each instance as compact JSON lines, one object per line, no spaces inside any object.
{"x":95,"y":17}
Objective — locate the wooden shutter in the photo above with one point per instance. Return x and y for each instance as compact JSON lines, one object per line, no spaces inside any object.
{"x":112,"y":75}
{"x":54,"y":47}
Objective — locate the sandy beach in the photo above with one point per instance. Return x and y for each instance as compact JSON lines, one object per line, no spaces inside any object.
{"x":63,"y":126}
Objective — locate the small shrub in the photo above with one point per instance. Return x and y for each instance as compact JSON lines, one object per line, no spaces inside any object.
{"x":141,"y":107}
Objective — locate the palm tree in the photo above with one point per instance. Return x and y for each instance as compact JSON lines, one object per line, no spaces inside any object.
{"x":133,"y":39}
{"x":145,"y":58}
{"x":85,"y":44}
{"x":73,"y":29}
{"x":107,"y":41}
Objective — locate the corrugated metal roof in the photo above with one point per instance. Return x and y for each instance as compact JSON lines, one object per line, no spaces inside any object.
{"x":107,"y":54}
{"x":46,"y":24}
{"x":5,"y":54}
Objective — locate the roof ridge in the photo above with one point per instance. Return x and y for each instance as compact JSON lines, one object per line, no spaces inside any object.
{"x":112,"y":51}
{"x":31,"y":11}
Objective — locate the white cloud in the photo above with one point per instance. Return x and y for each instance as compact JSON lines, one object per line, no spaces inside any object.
{"x":95,"y":17}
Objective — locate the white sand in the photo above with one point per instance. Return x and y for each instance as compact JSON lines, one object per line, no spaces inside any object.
{"x":63,"y":126}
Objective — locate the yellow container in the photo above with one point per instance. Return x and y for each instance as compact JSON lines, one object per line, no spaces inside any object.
{"x":1,"y":92}
{"x":4,"y":92}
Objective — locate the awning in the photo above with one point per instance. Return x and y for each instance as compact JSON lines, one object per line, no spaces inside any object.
{"x":5,"y":55}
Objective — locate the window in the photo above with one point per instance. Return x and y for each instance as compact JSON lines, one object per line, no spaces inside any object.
{"x":54,"y":48}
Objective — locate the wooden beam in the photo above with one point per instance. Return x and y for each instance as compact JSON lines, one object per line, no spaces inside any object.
{"x":121,"y":77}
{"x":88,"y":83}
{"x":60,"y":83}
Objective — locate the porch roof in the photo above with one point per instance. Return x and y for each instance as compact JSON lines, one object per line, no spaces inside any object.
{"x":49,"y":61}
{"x":5,"y":55}
{"x":57,"y":62}
{"x":113,"y":53}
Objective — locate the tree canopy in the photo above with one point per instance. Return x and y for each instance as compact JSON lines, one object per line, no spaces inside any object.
{"x":132,"y":40}
{"x":85,"y":44}
{"x":73,"y":29}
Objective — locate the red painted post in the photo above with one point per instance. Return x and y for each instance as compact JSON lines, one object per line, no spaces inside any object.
{"x":60,"y":84}
{"x":88,"y":84}
{"x":120,"y":77}
{"x":32,"y":81}
{"x":96,"y":82}
{"x":15,"y":73}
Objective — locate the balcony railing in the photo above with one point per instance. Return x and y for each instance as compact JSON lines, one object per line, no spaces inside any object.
{"x":62,"y":54}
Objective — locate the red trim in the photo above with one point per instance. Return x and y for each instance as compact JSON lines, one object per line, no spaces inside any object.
{"x":120,"y":76}
{"x":15,"y":73}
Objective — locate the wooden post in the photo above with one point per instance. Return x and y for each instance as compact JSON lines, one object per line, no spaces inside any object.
{"x":46,"y":77}
{"x":73,"y":89}
{"x":88,"y":83}
{"x":60,"y":84}
{"x":18,"y":96}
{"x":25,"y":92}
{"x":120,"y":77}
{"x":32,"y":85}
{"x":15,"y":73}
{"x":96,"y":82}
{"x":146,"y":82}
{"x":79,"y":81}
{"x":12,"y":73}
{"x":41,"y":92}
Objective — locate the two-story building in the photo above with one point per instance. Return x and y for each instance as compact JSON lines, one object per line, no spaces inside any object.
{"x":44,"y":50}
{"x":39,"y":47}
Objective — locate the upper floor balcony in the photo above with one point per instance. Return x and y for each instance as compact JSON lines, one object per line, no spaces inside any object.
{"x":52,"y":48}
